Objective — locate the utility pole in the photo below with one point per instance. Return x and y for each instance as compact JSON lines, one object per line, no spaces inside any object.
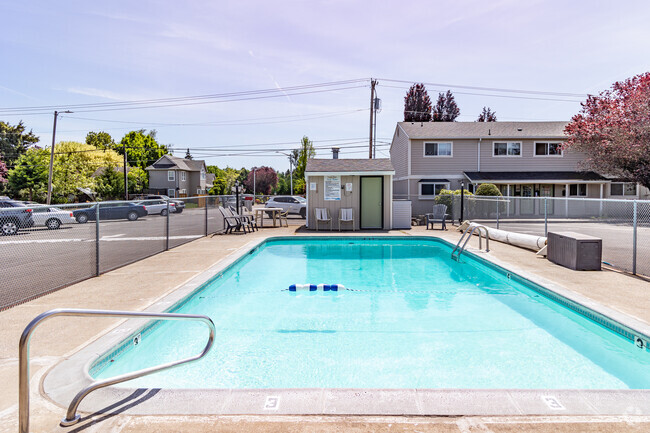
{"x":373,"y":83}
{"x":291,"y":172}
{"x":49,"y":179}
{"x":253,"y":185}
{"x":126,"y":177}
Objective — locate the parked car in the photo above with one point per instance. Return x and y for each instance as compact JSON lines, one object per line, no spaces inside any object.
{"x":293,"y":203}
{"x":179,"y":204}
{"x":110,"y":211}
{"x":51,"y":217}
{"x":157,"y":207}
{"x":14,"y":216}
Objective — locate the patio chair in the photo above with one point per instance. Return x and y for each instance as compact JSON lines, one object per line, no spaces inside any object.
{"x":439,"y":215}
{"x":283,"y":216}
{"x":231,"y":222}
{"x":323,"y":215}
{"x":346,"y":216}
{"x":248,"y":219}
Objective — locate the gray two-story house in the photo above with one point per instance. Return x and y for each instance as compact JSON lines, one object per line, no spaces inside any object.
{"x":523,"y":159}
{"x":178,"y":177}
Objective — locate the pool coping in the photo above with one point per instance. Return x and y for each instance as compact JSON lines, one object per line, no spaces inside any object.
{"x":66,"y":378}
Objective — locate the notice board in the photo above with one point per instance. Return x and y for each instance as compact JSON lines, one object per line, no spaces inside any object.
{"x":332,"y":188}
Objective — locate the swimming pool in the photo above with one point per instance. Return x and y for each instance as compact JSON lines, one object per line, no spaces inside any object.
{"x":413,"y":318}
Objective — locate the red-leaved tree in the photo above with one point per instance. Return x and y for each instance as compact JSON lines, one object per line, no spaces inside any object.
{"x":265,"y":179}
{"x":613,"y":130}
{"x":3,"y":172}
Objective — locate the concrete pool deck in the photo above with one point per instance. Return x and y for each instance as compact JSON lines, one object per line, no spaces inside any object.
{"x":139,"y":285}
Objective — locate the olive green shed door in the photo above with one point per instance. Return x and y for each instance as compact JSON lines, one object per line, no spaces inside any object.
{"x":372,"y":206}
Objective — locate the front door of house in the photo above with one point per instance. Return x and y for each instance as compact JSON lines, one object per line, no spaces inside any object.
{"x":372,"y":205}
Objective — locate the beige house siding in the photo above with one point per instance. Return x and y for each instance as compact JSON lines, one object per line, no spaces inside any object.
{"x":527,"y":161}
{"x":316,"y":199}
{"x":399,"y":153}
{"x":464,"y":158}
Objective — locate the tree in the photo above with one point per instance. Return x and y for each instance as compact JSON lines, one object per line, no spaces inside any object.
{"x":265,"y":180}
{"x":28,"y":179}
{"x":3,"y":172}
{"x":487,"y":115}
{"x":142,"y":149}
{"x":101,"y":140}
{"x":110,"y":183}
{"x":613,"y":130}
{"x":305,"y":152}
{"x":188,"y":155}
{"x":488,"y":189}
{"x":446,"y":109}
{"x":417,"y":104}
{"x":14,"y":142}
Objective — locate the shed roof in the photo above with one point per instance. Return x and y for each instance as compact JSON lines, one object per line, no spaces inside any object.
{"x":449,"y":130}
{"x":382,"y":165}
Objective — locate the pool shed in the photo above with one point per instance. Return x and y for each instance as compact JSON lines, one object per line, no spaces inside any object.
{"x":363,"y":185}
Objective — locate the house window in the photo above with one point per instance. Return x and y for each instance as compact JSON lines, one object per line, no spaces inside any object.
{"x":183,"y":191}
{"x":548,"y":149}
{"x":578,"y":190}
{"x":502,"y":148}
{"x":202,"y":174}
{"x":431,"y":189}
{"x":171,"y":175}
{"x":171,"y":192}
{"x":438,"y":149}
{"x":183,"y":176}
{"x":622,"y":188}
{"x":199,"y":191}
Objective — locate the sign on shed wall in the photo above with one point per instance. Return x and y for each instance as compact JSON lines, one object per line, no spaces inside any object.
{"x":332,"y":188}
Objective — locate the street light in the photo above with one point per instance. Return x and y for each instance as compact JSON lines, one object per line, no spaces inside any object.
{"x":49,"y":179}
{"x":290,"y":168}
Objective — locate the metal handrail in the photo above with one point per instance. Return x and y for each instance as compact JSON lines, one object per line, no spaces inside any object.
{"x":470,"y":231}
{"x":71,"y":415}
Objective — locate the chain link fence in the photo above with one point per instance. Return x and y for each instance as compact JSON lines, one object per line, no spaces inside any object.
{"x":623,"y":225}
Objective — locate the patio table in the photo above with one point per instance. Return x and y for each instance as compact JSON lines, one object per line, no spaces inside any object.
{"x":259,"y":214}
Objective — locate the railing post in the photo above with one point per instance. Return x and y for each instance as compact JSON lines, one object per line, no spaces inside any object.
{"x":497,"y":201}
{"x":167,"y":228}
{"x":96,"y":239}
{"x":545,"y":216}
{"x":206,"y":216}
{"x":634,"y":226}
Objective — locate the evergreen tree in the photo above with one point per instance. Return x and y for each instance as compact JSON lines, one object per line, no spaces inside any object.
{"x":417,"y":104}
{"x":28,"y":179}
{"x":487,"y":115}
{"x":14,"y":142}
{"x":188,"y":155}
{"x":446,"y":109}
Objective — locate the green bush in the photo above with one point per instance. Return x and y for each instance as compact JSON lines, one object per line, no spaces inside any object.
{"x":488,"y":189}
{"x":447,"y":198}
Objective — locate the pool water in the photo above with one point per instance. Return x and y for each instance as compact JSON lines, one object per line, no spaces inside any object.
{"x":414,"y":318}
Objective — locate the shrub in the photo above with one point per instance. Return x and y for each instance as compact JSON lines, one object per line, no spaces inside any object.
{"x":447,"y":198}
{"x":488,"y":189}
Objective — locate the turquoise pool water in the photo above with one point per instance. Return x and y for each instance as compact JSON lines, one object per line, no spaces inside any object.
{"x":415,"y":319}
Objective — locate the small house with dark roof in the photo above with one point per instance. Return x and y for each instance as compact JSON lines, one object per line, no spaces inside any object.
{"x":363,"y":185}
{"x":523,"y":159}
{"x":178,"y":177}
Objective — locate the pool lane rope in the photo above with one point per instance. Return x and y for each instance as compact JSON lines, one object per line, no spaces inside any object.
{"x":316,"y":287}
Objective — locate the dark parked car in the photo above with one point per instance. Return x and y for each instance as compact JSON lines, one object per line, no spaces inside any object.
{"x":14,"y":216}
{"x":110,"y":211}
{"x":178,"y":204}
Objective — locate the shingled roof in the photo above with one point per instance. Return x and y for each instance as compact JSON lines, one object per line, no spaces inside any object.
{"x":177,"y":163}
{"x":471,"y":130}
{"x":382,"y":165}
{"x":550,"y":176}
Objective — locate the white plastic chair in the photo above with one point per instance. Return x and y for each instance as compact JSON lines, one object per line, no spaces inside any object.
{"x":323,"y":215}
{"x":346,"y":216}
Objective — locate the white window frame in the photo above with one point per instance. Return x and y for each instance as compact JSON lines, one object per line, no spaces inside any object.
{"x":171,"y":175}
{"x":578,"y":190}
{"x":183,"y":176}
{"x":451,"y":149}
{"x":171,"y":192}
{"x":521,"y":149}
{"x":199,"y":191}
{"x":430,"y":197}
{"x":560,"y":155}
{"x":623,"y":185}
{"x":182,"y":191}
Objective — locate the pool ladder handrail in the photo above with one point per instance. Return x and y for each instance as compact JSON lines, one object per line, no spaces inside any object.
{"x":470,"y":230}
{"x":71,"y":415}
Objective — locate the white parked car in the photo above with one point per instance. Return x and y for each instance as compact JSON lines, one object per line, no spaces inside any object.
{"x":293,"y":203}
{"x":51,"y":217}
{"x":158,"y":207}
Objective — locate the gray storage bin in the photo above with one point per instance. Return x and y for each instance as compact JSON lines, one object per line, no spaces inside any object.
{"x":575,"y":250}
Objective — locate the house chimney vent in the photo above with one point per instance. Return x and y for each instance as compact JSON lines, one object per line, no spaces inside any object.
{"x":335,"y":153}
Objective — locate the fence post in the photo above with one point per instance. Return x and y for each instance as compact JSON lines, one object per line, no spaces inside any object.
{"x":96,"y":239}
{"x":206,"y":216}
{"x":634,"y":225}
{"x":167,"y":228}
{"x":545,"y":216}
{"x":497,"y":202}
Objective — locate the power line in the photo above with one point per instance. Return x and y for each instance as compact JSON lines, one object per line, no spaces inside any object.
{"x":500,"y":96}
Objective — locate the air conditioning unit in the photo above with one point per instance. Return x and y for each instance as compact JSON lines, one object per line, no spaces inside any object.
{"x":575,"y":250}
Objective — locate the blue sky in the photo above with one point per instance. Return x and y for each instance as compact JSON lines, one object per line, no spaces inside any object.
{"x":73,"y":52}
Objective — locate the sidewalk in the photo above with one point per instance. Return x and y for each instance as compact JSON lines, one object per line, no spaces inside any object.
{"x":136,"y":286}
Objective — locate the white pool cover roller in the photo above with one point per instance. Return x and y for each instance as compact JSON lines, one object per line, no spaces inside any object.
{"x":531,"y":242}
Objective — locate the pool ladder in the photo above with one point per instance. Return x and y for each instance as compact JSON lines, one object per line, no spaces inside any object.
{"x":72,"y":417}
{"x":469,"y":232}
